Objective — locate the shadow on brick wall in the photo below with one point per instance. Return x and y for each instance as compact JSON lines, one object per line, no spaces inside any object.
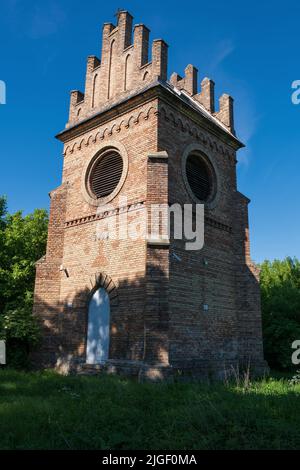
{"x":138,"y":323}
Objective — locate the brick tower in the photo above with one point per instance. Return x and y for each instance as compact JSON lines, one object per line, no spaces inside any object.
{"x":145,"y":306}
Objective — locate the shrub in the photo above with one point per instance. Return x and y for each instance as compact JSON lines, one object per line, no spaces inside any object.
{"x":280,"y":293}
{"x":22,"y":243}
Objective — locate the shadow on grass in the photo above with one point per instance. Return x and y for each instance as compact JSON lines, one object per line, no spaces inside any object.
{"x":47,"y":411}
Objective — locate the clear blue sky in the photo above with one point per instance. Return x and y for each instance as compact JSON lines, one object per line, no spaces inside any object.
{"x":250,"y":49}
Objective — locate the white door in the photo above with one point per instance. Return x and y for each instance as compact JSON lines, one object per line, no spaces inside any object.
{"x":98,"y":328}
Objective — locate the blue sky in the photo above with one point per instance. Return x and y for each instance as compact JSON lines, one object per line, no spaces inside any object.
{"x":250,"y":50}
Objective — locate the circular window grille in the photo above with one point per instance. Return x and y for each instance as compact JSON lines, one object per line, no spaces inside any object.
{"x":106,"y":174}
{"x":200,"y":177}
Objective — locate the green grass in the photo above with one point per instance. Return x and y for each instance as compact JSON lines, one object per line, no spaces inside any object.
{"x":48,"y":411}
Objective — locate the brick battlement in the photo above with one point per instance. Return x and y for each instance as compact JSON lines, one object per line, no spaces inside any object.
{"x":125,"y":68}
{"x":194,"y":313}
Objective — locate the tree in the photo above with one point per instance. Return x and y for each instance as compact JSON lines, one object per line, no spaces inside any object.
{"x":22,"y":243}
{"x":280,"y":292}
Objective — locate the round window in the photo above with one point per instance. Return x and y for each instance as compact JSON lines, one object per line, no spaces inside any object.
{"x":200,"y":177}
{"x":105,"y":174}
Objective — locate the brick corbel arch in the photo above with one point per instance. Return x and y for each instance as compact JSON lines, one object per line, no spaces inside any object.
{"x":96,"y":281}
{"x":101,"y":279}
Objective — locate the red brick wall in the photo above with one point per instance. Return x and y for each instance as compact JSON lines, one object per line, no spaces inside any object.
{"x":157,"y":289}
{"x":220,"y":274}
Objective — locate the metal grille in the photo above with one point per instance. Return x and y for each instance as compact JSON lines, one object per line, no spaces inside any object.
{"x":199,"y":177}
{"x":106,"y":174}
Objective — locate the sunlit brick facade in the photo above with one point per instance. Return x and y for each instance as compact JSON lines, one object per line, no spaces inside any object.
{"x":171,"y":310}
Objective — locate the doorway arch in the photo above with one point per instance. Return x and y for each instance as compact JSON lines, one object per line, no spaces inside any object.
{"x":98,"y":330}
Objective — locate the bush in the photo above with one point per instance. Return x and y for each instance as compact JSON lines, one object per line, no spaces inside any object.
{"x":280,"y":292}
{"x":22,"y":243}
{"x":20,"y":330}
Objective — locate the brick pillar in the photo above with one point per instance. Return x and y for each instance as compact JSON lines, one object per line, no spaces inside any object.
{"x":156,"y":317}
{"x":47,"y":307}
{"x":248,"y":304}
{"x":190,"y":80}
{"x":160,"y":59}
{"x":125,"y":29}
{"x":76,"y":97}
{"x":141,"y":44}
{"x":207,"y":95}
{"x":92,"y":63}
{"x":225,"y":113}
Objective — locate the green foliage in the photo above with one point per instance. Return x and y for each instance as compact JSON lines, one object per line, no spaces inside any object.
{"x":22,"y":243}
{"x":295,"y":380}
{"x":280,"y":291}
{"x":47,"y":411}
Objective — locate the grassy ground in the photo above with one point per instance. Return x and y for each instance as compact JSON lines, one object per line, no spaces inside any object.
{"x":47,"y":411}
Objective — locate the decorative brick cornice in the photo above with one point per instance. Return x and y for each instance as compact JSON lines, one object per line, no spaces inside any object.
{"x":185,"y":118}
{"x":158,"y":243}
{"x":186,"y":126}
{"x":158,"y":156}
{"x":133,"y":207}
{"x":176,"y":119}
{"x":109,"y":113}
{"x":114,"y":128}
{"x":104,"y":214}
{"x":217,"y":224}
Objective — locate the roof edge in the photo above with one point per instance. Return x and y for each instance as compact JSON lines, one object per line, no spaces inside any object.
{"x":166,"y":86}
